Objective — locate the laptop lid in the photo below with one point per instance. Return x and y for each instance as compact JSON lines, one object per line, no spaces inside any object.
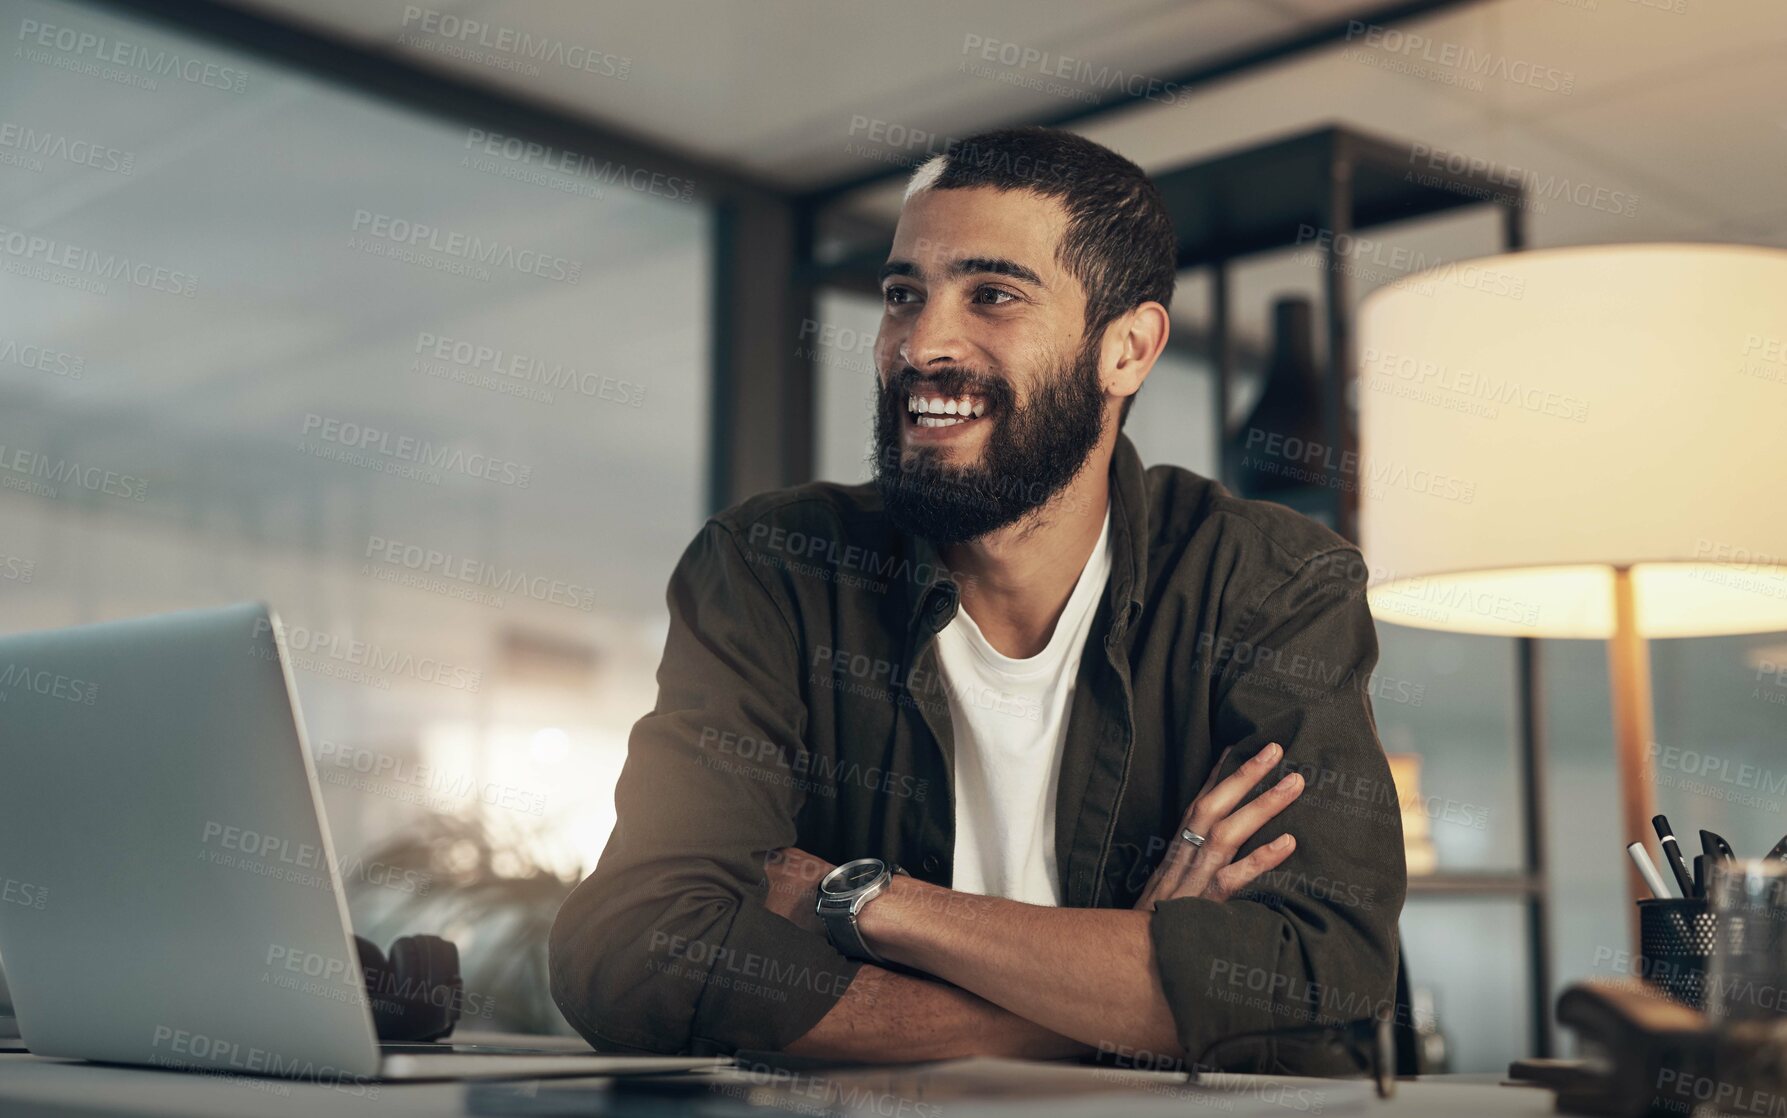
{"x":168,"y":890}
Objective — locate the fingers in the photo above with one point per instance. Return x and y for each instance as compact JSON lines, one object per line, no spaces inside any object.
{"x":1237,"y":876}
{"x":1179,"y":853}
{"x":1171,"y":869}
{"x":783,"y":894}
{"x":793,"y":871}
{"x":793,"y":877}
{"x":1228,"y":836}
{"x":1183,"y":864}
{"x":1232,"y":833}
{"x":1220,"y":800}
{"x":1215,"y":771}
{"x":1191,"y":872}
{"x":1225,"y":817}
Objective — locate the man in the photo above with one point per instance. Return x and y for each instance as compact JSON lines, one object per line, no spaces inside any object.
{"x":1076,"y":702}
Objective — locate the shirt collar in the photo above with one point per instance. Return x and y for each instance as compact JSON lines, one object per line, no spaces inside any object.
{"x":933,"y":598}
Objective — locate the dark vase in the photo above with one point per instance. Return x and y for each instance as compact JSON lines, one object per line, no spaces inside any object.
{"x":1280,"y":447}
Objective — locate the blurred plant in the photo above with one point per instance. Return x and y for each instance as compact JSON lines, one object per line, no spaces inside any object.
{"x":487,"y":895}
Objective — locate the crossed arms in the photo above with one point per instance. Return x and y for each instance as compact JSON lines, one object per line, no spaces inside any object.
{"x":677,"y":942}
{"x":1018,"y":979}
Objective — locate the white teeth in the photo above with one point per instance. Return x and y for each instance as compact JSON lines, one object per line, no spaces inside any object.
{"x":966,"y":406}
{"x":938,"y":421}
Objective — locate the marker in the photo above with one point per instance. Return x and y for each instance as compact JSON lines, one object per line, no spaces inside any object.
{"x":1716,"y":847}
{"x":1780,"y":850}
{"x":1672,"y":854}
{"x":1647,"y":869}
{"x":1700,"y":875}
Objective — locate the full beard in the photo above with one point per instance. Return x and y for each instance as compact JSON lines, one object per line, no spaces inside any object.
{"x":1032,"y":452}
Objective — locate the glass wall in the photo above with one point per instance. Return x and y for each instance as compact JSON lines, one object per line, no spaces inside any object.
{"x":261,"y":338}
{"x":844,"y":373}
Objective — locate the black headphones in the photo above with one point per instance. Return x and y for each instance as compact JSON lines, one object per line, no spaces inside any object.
{"x":415,"y":995}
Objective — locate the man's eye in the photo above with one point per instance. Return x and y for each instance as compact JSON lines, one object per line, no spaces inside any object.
{"x":1004,"y":296}
{"x":896,"y":295}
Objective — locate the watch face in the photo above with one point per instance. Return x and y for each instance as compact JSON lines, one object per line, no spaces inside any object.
{"x":855,"y":875}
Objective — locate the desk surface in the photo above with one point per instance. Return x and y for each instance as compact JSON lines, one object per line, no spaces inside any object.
{"x":32,"y":1086}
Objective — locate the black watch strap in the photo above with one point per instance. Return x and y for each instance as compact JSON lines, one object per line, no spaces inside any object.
{"x":841,"y":929}
{"x":838,"y":912}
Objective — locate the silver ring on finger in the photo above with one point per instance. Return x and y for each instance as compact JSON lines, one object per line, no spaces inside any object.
{"x":1192,"y":837}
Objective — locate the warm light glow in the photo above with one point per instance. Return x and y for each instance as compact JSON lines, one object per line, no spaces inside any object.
{"x":1674,"y":600}
{"x":545,"y":794}
{"x":550,"y":745}
{"x":1530,"y":421}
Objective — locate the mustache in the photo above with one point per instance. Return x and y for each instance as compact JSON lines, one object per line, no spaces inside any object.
{"x":949,"y":382}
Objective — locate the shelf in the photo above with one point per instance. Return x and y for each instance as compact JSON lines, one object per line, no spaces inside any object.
{"x":1270,"y":196}
{"x":1476,"y":885}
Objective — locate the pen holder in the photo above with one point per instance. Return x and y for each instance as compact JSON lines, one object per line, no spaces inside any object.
{"x":1675,"y":946}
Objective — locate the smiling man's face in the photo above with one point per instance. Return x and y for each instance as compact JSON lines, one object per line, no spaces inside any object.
{"x":991,"y":400}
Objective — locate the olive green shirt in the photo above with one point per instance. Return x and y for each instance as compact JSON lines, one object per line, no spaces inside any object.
{"x":800,"y":704}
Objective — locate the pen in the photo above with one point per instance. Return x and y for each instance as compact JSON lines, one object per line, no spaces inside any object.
{"x":1700,"y":875}
{"x":1672,"y":854}
{"x":1780,"y":850}
{"x":1715,"y":846}
{"x":1647,"y":869}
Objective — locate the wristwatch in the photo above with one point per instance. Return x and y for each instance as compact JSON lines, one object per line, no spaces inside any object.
{"x":842,"y":894}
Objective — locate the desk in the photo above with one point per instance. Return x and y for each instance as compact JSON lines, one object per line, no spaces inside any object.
{"x":33,"y":1087}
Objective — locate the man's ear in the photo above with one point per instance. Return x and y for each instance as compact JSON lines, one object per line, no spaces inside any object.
{"x":1131,"y":344}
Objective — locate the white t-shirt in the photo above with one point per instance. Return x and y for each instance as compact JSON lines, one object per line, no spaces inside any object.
{"x":1010,"y":721}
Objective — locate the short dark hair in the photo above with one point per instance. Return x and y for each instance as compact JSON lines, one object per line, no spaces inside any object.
{"x":1119,"y":241}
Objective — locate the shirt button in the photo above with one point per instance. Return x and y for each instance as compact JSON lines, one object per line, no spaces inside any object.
{"x":931,"y":864}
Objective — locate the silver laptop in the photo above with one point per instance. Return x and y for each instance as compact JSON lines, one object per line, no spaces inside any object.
{"x":168,"y":894}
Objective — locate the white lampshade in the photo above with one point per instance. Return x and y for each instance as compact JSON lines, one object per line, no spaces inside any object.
{"x":1528,"y":422}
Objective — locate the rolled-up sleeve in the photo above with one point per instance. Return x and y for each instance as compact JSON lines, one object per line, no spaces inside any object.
{"x":667,"y":946}
{"x":1313,"y":942}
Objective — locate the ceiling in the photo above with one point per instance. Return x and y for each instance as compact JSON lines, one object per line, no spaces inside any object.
{"x":772,"y":87}
{"x":1639,"y":119}
{"x":1679,"y":101}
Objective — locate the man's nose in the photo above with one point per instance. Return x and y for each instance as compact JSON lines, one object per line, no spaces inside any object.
{"x":935,"y":337}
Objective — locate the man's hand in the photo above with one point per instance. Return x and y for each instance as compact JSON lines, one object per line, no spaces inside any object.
{"x":1087,"y":974}
{"x":794,"y":877}
{"x":1207,"y":871}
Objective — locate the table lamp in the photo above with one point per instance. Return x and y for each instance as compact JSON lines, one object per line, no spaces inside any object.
{"x":1581,"y":442}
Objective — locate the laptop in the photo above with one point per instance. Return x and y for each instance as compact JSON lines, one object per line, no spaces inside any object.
{"x":168,"y":887}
